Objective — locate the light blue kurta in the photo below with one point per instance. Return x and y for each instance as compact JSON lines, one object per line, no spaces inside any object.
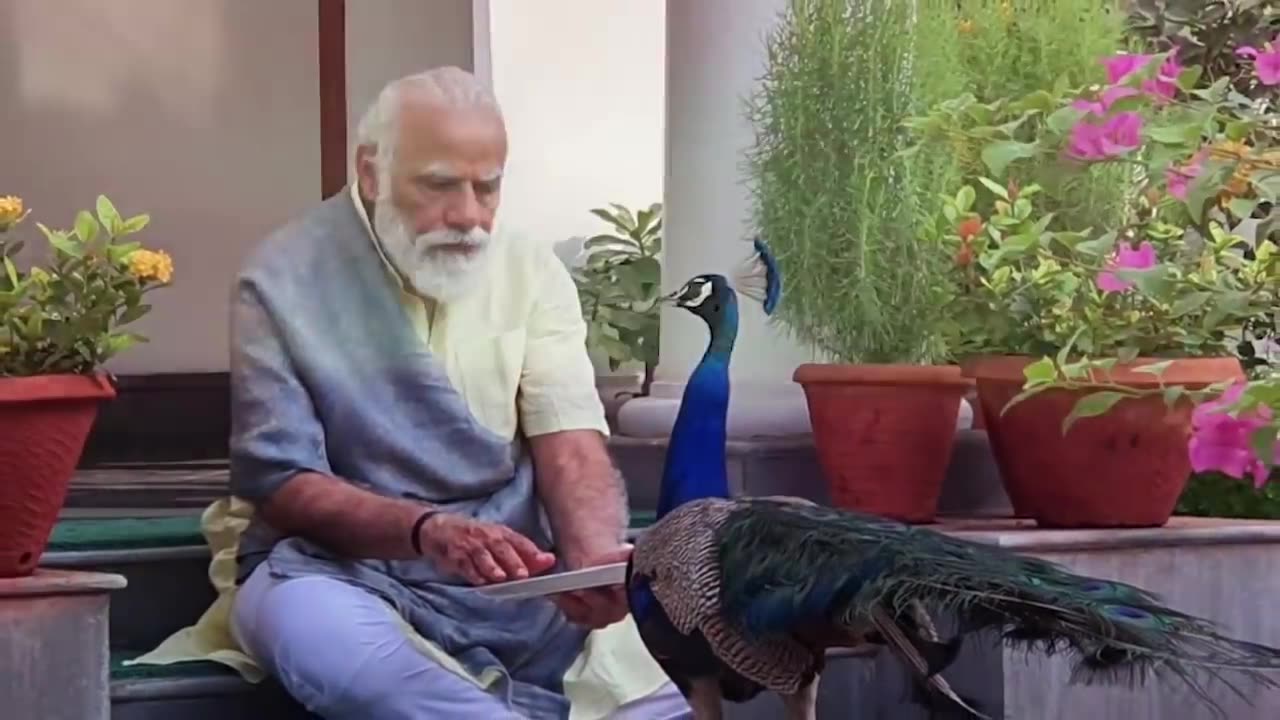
{"x":340,"y":383}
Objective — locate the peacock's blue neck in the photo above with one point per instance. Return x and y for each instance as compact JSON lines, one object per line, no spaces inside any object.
{"x":695,"y":465}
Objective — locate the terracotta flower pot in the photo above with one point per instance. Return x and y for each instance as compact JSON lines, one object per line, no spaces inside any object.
{"x":1126,"y":468}
{"x":884,"y":433}
{"x":44,"y":422}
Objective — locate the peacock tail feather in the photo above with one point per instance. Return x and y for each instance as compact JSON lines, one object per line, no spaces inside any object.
{"x":759,"y":278}
{"x":783,"y":564}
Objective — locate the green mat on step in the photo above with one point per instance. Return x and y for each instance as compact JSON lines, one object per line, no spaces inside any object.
{"x":200,"y":668}
{"x":79,"y":535}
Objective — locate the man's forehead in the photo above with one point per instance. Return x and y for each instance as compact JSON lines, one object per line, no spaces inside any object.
{"x":452,"y":143}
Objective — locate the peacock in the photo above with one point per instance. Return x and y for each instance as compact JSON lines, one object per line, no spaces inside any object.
{"x":733,"y":597}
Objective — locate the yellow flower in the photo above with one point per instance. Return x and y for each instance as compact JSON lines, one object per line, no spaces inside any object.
{"x":11,"y":211}
{"x":967,"y":27}
{"x":151,"y":265}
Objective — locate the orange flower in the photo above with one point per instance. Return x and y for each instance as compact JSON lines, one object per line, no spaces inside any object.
{"x":969,"y":228}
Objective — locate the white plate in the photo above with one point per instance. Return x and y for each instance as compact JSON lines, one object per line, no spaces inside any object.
{"x":543,"y":585}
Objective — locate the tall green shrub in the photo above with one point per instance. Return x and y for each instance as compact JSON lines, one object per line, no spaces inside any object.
{"x":833,"y":197}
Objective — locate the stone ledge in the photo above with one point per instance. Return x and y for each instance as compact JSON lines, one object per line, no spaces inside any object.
{"x":1024,"y":535}
{"x":45,"y":581}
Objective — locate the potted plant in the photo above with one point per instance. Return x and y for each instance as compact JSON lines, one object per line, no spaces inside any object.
{"x":844,"y":213}
{"x":1087,"y":344}
{"x":619,"y":281}
{"x":58,"y":324}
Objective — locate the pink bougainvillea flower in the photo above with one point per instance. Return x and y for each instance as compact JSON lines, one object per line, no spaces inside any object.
{"x":1116,"y":136}
{"x":1178,"y":178}
{"x":1221,"y":443}
{"x":1122,"y":65}
{"x":1266,"y":62}
{"x":1103,"y":104}
{"x":1127,"y":258}
{"x":1164,"y":86}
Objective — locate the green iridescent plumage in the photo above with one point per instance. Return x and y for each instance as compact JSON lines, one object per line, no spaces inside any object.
{"x":781,"y":563}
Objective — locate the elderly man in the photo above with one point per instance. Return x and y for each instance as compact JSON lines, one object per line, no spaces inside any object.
{"x":414,"y":414}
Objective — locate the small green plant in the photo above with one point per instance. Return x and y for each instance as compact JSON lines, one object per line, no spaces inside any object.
{"x":619,"y":285}
{"x":66,"y":317}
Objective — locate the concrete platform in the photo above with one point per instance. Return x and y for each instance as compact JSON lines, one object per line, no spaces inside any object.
{"x":53,"y":645}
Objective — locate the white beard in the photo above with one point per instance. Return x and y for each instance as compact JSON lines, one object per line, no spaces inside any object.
{"x":432,"y":272}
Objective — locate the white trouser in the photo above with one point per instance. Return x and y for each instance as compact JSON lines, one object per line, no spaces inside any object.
{"x":343,"y":654}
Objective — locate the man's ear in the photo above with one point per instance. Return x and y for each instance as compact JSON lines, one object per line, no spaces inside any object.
{"x":367,"y":172}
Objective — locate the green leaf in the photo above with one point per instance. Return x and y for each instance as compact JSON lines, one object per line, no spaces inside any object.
{"x":1040,"y":371}
{"x":1189,"y":303}
{"x":1242,"y":207}
{"x":1156,"y":368}
{"x":996,"y":188}
{"x":134,"y":224}
{"x":1188,"y":78}
{"x":1102,"y":246}
{"x":1171,"y":395}
{"x":12,"y":271}
{"x":1154,"y":282}
{"x":108,"y":215}
{"x":1091,"y":405}
{"x":1061,"y":120}
{"x":1184,"y":134}
{"x":1263,"y":442}
{"x":65,"y":245}
{"x":86,"y":227}
{"x":132,"y":314}
{"x":1065,"y":351}
{"x":999,"y":155}
{"x":1238,"y":130}
{"x":1039,"y":100}
{"x":965,"y":198}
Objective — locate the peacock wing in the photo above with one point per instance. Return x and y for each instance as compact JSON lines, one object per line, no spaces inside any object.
{"x":679,"y":558}
{"x":786,"y":567}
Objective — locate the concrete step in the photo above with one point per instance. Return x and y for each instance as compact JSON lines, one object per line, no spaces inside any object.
{"x":194,"y":691}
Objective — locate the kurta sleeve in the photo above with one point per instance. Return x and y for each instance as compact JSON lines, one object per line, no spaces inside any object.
{"x":275,"y":433}
{"x":558,"y":383}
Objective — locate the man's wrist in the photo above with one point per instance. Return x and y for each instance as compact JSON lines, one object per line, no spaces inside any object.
{"x":415,"y":534}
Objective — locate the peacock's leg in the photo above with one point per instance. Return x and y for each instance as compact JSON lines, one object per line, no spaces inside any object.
{"x":803,"y":705}
{"x":704,"y":699}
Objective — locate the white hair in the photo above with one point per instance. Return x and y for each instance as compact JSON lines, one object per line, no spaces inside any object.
{"x":448,"y":86}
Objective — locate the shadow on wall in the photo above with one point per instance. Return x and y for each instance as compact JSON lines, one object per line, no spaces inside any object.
{"x":203,"y":113}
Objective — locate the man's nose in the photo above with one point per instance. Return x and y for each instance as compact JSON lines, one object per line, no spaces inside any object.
{"x":464,"y":212}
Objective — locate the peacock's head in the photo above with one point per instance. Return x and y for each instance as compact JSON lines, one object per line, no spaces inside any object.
{"x":714,"y":298}
{"x":707,"y":296}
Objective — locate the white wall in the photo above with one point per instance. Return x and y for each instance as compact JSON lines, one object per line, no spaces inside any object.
{"x":204,"y":113}
{"x":581,"y":83}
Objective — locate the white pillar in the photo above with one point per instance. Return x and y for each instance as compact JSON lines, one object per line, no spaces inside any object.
{"x":715,"y":52}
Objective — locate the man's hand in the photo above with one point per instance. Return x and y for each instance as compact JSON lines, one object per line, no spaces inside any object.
{"x":481,"y":552}
{"x":597,"y":607}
